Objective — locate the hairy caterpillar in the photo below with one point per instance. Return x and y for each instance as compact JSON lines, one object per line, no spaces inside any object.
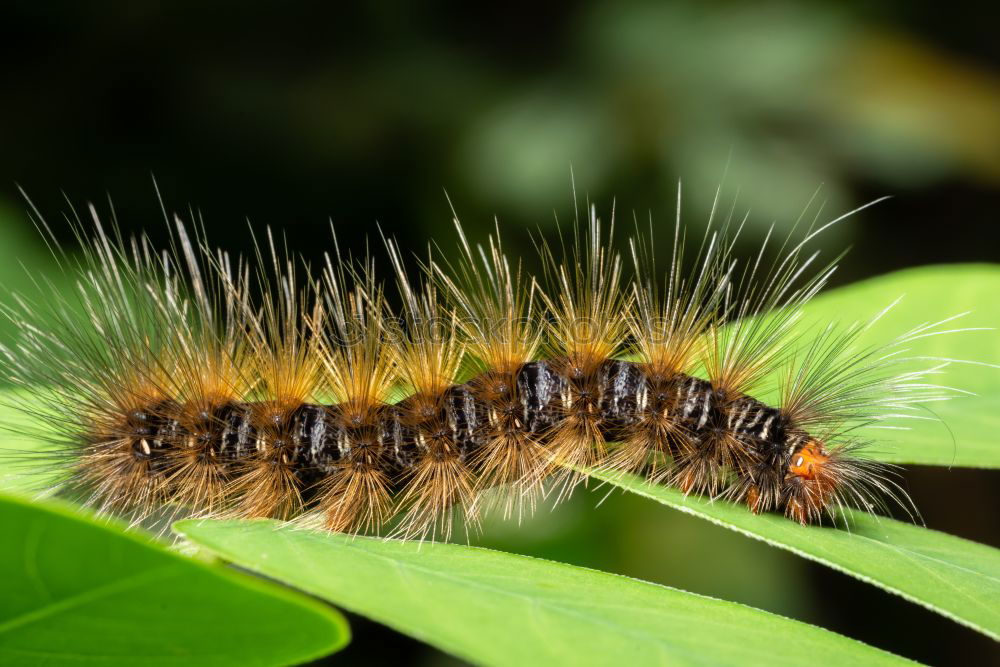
{"x":252,"y":387}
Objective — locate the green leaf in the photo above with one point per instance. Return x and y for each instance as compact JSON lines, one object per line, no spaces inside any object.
{"x":956,"y":578}
{"x":965,"y":435}
{"x":78,"y":591}
{"x":496,"y":608}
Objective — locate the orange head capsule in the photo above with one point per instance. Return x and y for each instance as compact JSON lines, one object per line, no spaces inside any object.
{"x":808,"y":462}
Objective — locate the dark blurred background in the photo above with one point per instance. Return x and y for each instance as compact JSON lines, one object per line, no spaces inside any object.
{"x":293,"y":114}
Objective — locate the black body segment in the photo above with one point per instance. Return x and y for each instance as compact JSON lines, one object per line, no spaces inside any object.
{"x":315,"y":439}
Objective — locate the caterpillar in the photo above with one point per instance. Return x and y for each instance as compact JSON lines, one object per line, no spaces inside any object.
{"x":186,"y":379}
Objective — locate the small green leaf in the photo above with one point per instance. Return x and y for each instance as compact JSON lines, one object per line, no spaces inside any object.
{"x":956,"y":578}
{"x":965,"y":433}
{"x":496,"y":608}
{"x":75,"y":591}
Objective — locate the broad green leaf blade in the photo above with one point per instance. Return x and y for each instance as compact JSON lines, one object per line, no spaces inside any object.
{"x":496,"y":608}
{"x":954,"y":577}
{"x":75,"y":591}
{"x":966,"y":434}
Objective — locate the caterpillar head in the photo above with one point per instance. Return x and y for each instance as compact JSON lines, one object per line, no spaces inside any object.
{"x":822,"y":478}
{"x":809,"y":461}
{"x":811,"y":481}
